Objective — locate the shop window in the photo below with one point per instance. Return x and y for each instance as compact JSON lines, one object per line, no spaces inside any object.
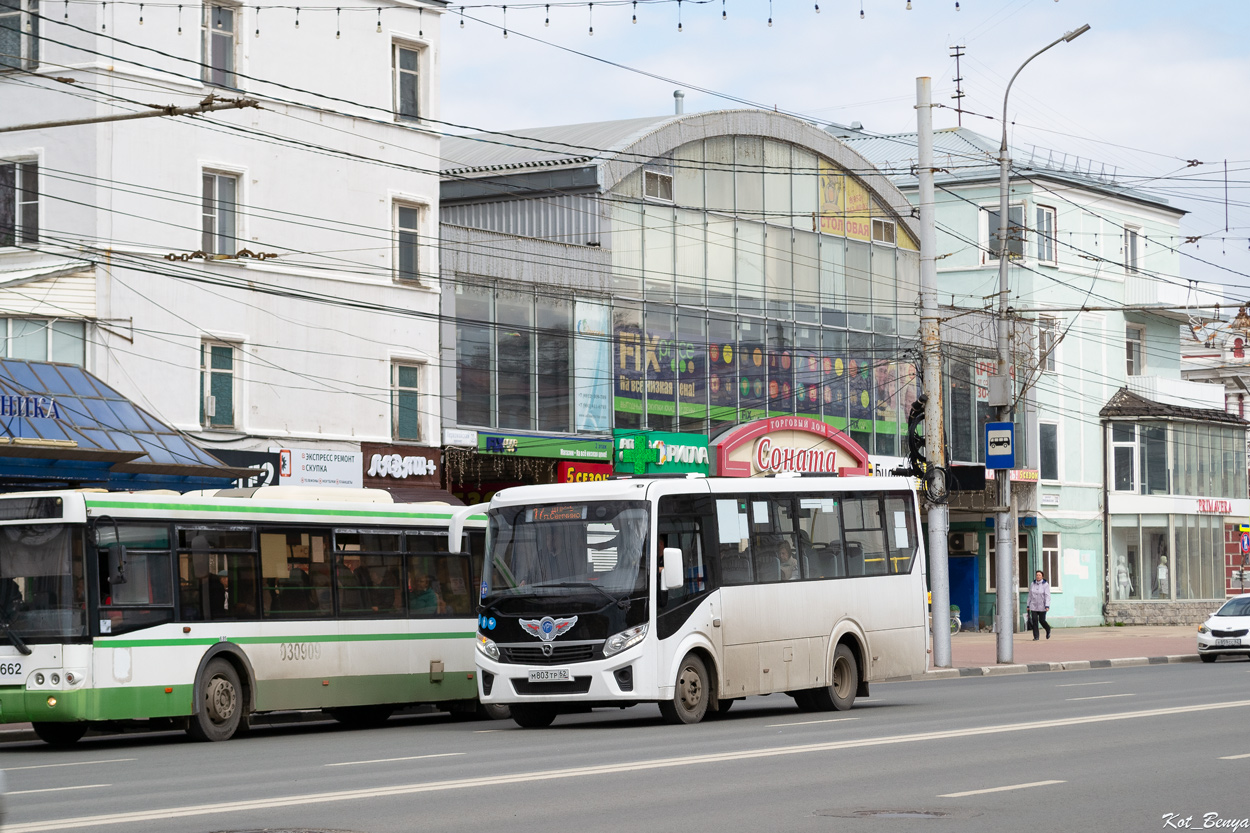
{"x":989,"y":233}
{"x":217,"y":385}
{"x":406,"y":401}
{"x":1135,"y":350}
{"x":19,"y":34}
{"x":19,"y":186}
{"x":405,"y":67}
{"x":1046,"y":248}
{"x":219,"y":213}
{"x":220,"y":44}
{"x":475,"y":379}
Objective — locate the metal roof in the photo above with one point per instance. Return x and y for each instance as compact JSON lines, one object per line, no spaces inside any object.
{"x":543,"y":147}
{"x":60,"y":411}
{"x":963,"y":155}
{"x":1126,"y":404}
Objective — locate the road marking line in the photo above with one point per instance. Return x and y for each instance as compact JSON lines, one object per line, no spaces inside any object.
{"x":392,"y":760}
{"x":484,"y":731}
{"x":72,"y":763}
{"x":1073,"y":685}
{"x":58,"y":789}
{"x":187,"y":811}
{"x":1100,"y":697}
{"x":810,"y":722}
{"x":1002,"y":789}
{"x":1234,"y":757}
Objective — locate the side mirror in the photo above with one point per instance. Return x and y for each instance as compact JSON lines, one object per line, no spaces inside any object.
{"x":673,"y":578}
{"x":117,"y":564}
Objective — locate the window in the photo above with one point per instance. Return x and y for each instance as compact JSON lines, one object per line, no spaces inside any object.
{"x":1022,"y":562}
{"x":219,"y":44}
{"x":407,"y":243}
{"x":19,"y":193}
{"x":139,"y":591}
{"x":406,"y":401}
{"x":19,"y":34}
{"x":1048,"y":442}
{"x":219,"y":214}
{"x":217,"y":381}
{"x":295,"y":574}
{"x":883,"y":231}
{"x":1015,"y":232}
{"x":658,"y":186}
{"x":1046,"y":235}
{"x":1134,"y":350}
{"x":1131,"y":236}
{"x":368,"y":572}
{"x":405,"y":66}
{"x":1050,"y":560}
{"x":1047,"y":343}
{"x":1123,"y":454}
{"x":217,"y":573}
{"x":40,"y":339}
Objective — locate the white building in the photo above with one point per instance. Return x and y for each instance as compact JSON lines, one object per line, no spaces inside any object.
{"x":258,"y":277}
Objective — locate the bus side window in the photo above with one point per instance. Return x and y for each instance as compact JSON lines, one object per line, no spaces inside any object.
{"x":295,"y":574}
{"x":901,"y":527}
{"x":681,"y":526}
{"x":732,"y":536}
{"x":865,"y":535}
{"x":820,"y":537}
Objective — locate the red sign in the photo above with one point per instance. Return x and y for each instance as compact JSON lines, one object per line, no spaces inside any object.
{"x":791,"y":443}
{"x":1212,"y":506}
{"x":582,"y":472}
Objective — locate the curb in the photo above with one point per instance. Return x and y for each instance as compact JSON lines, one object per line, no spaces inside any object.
{"x":1023,"y":668}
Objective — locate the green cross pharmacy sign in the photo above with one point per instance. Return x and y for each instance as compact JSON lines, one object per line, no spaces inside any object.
{"x":660,"y":452}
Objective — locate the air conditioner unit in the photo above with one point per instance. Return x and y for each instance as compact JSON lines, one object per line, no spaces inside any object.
{"x":962,"y":542}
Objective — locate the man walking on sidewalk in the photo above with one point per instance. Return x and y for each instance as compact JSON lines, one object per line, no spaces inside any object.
{"x":1039,"y":603}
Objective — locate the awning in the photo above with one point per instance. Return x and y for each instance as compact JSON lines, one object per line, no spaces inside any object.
{"x":41,"y":271}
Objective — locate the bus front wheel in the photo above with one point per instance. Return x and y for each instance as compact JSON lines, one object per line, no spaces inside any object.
{"x":839,"y":695}
{"x":60,"y":734}
{"x":221,"y":709}
{"x":690,"y":696}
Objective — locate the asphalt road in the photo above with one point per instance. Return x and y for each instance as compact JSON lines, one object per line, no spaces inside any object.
{"x":1106,"y":750}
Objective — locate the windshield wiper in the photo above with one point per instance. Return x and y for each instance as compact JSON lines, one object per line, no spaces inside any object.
{"x":17,"y":641}
{"x":620,"y":601}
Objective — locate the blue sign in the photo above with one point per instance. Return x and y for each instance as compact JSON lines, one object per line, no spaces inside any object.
{"x":1000,"y":445}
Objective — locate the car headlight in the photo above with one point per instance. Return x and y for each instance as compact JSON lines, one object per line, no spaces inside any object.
{"x":1203,"y":628}
{"x":623,"y":640}
{"x":487,"y":646}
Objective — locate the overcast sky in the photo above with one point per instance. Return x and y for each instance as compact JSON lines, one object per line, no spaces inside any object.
{"x":1151,"y":85}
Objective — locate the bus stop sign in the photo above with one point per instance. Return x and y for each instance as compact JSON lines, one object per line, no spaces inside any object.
{"x":1000,"y":445}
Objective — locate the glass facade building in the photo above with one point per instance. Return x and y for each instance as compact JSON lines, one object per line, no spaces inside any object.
{"x":744,"y":277}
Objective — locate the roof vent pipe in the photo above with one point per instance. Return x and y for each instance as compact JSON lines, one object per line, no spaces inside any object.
{"x":679,"y":101}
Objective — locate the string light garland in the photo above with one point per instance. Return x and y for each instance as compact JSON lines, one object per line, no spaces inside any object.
{"x":141,"y":13}
{"x":591,"y":10}
{"x":379,"y":20}
{"x":770,"y":13}
{"x":505,"y":22}
{"x":258,"y":23}
{"x":179,"y":18}
{"x":104,"y":10}
{"x":635,"y":11}
{"x":679,"y":16}
{"x":546,"y":20}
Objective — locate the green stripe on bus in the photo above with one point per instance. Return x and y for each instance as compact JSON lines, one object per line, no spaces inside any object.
{"x":105,"y":642}
{"x":260,"y":509}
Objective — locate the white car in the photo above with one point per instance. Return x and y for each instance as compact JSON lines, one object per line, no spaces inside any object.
{"x":1226,"y":632}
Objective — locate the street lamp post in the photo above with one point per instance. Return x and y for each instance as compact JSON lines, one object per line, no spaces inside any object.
{"x":1001,"y":392}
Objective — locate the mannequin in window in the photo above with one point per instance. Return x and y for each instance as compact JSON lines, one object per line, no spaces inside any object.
{"x":1123,"y":582}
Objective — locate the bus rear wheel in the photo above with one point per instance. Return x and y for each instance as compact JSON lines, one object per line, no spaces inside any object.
{"x":60,"y":734}
{"x":839,"y":695}
{"x":532,"y":717}
{"x":221,"y":710}
{"x":690,"y":696}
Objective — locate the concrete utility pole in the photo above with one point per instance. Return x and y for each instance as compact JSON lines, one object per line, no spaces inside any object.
{"x":208,"y":105}
{"x":930,"y":339}
{"x":1000,"y":389}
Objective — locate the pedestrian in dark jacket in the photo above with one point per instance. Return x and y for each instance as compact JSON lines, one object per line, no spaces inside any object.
{"x":1039,"y":603}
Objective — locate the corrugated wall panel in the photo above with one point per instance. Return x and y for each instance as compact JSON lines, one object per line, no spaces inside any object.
{"x":562,"y":219}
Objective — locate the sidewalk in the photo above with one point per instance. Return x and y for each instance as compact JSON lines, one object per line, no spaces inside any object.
{"x":976,"y":653}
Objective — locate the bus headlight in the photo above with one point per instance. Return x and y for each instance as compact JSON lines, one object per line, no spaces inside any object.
{"x":487,"y":646}
{"x":623,"y":640}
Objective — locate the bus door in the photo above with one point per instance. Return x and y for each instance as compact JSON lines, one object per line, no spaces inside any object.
{"x":684,"y":523}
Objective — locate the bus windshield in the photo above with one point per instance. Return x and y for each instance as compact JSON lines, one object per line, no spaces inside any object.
{"x":41,"y":584}
{"x":551,"y":548}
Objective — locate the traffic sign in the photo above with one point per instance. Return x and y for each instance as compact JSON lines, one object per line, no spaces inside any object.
{"x":1245,"y":542}
{"x":1000,"y":445}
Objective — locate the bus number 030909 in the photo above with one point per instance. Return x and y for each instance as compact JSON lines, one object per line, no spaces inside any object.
{"x":300,"y":650}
